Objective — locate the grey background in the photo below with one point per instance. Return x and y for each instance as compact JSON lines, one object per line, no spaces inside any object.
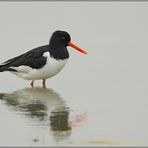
{"x":109,"y":84}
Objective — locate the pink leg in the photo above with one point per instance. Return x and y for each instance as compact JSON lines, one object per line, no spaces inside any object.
{"x":44,"y":83}
{"x":32,"y":83}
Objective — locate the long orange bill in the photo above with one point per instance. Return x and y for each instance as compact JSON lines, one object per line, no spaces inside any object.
{"x":76,"y":47}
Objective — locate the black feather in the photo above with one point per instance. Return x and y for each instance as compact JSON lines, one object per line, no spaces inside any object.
{"x":33,"y":58}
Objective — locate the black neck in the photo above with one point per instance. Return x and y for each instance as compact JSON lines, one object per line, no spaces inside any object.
{"x":59,"y":53}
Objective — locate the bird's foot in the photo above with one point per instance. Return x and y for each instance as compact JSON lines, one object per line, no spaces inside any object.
{"x":32,"y":83}
{"x":44,"y":83}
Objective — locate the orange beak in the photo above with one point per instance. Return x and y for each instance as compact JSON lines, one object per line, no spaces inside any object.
{"x":76,"y":47}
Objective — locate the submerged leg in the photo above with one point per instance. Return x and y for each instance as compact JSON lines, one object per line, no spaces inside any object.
{"x":44,"y":83}
{"x":32,"y":83}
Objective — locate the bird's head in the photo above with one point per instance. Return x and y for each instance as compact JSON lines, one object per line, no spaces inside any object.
{"x":63,"y":39}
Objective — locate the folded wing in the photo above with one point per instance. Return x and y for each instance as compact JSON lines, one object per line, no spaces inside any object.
{"x":32,"y":59}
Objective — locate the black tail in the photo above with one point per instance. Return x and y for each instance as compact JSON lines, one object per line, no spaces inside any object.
{"x":6,"y":68}
{"x":2,"y":68}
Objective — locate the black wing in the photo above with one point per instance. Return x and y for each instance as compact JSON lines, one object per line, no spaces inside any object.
{"x":33,"y":58}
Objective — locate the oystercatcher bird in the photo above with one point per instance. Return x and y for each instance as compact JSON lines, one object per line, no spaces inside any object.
{"x":42,"y":62}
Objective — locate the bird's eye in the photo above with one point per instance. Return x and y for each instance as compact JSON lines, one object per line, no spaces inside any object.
{"x":63,"y":38}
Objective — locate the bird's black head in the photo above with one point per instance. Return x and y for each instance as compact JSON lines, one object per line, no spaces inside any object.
{"x":60,"y":39}
{"x":58,"y":43}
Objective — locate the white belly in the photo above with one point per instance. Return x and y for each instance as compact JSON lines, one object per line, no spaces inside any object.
{"x":51,"y":68}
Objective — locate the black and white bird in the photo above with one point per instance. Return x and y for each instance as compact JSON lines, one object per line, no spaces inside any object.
{"x":42,"y":62}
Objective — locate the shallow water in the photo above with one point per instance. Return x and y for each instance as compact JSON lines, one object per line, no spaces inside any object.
{"x":98,"y":99}
{"x":43,"y":111}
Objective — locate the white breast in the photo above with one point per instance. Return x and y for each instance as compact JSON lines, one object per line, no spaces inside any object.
{"x":51,"y":68}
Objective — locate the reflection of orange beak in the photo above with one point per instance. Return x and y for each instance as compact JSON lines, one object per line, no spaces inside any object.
{"x":76,"y":47}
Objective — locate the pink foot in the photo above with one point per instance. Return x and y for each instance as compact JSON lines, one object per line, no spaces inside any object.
{"x":32,"y":83}
{"x":44,"y":83}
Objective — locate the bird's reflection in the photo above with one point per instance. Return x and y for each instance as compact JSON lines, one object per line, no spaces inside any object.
{"x":41,"y":104}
